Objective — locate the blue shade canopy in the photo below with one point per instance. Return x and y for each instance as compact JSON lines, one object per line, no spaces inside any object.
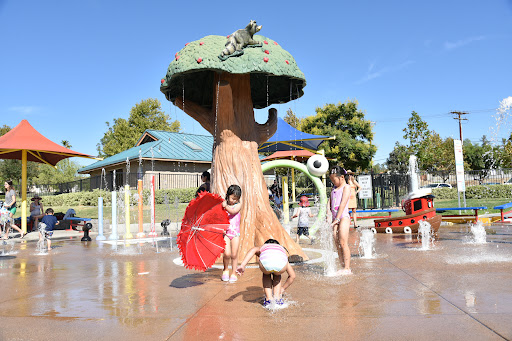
{"x":289,"y":138}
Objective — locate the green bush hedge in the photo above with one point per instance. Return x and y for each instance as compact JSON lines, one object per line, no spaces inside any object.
{"x":91,"y":198}
{"x":475,"y":192}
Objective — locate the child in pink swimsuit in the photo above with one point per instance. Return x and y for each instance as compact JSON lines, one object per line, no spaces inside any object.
{"x":338,"y":204}
{"x":232,"y":237}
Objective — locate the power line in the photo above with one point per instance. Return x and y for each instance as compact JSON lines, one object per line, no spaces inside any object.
{"x":443,"y":115}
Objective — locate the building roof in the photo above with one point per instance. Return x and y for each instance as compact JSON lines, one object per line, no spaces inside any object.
{"x":162,"y":145}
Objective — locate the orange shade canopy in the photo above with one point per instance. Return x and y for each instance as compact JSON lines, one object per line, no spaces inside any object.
{"x":298,"y":155}
{"x":39,"y":148}
{"x":27,"y":144}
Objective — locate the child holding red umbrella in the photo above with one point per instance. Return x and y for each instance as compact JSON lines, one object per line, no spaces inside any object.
{"x":232,"y":237}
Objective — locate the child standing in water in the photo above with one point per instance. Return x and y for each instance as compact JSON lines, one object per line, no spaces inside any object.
{"x":304,"y":213}
{"x":273,"y":262}
{"x":232,"y":237}
{"x":46,"y":227}
{"x":338,"y":204}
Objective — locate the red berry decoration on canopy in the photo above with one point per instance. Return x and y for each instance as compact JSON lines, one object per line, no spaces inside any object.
{"x":265,"y":42}
{"x":287,"y":62}
{"x":275,"y":43}
{"x":187,"y":44}
{"x":265,"y":59}
{"x":199,"y":60}
{"x":201,"y":43}
{"x":162,"y":81}
{"x":267,"y":52}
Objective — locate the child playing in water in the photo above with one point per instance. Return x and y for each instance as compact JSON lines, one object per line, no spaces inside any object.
{"x":232,"y":236}
{"x":46,"y":227}
{"x":304,"y":213}
{"x":273,"y":262}
{"x":338,"y":204}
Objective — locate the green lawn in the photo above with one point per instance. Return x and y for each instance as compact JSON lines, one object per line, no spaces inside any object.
{"x":489,"y":203}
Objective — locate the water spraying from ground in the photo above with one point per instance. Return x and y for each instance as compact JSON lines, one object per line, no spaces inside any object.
{"x":479,"y":236}
{"x":326,"y":243}
{"x":366,"y":244}
{"x":425,"y":236}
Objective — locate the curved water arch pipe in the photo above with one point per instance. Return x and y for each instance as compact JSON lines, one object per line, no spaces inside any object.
{"x":318,"y":184}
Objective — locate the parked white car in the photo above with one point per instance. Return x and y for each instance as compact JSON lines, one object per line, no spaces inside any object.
{"x":438,"y":185}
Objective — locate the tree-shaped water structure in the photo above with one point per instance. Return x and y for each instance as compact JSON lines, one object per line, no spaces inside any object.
{"x":221,"y":96}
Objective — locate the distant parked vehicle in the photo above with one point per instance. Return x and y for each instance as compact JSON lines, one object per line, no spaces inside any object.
{"x":509,"y":182}
{"x":438,"y":185}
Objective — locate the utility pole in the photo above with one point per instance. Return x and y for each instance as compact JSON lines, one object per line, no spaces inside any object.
{"x":461,"y":165}
{"x":459,"y":113}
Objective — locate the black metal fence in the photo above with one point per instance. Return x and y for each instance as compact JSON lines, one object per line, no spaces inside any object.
{"x":387,"y":189}
{"x":471,"y":178}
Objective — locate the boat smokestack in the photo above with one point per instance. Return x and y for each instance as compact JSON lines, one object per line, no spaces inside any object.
{"x":413,"y":173}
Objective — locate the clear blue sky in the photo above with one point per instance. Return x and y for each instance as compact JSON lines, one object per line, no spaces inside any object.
{"x":70,"y":66}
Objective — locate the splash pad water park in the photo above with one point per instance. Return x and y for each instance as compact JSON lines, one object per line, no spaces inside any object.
{"x":126,"y":286}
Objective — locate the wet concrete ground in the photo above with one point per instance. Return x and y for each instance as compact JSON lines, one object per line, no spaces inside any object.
{"x":90,"y":291}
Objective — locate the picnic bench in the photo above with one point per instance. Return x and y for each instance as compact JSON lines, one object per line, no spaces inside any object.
{"x":74,"y":222}
{"x":475,"y":215}
{"x":376,"y":211}
{"x":503,"y":214}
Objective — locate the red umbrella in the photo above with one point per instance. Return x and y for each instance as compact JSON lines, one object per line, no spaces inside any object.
{"x":201,"y":239}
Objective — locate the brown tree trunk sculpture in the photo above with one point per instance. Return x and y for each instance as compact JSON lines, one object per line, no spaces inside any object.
{"x":235,"y":158}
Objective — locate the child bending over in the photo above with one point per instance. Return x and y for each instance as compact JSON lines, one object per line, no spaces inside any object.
{"x":273,"y":262}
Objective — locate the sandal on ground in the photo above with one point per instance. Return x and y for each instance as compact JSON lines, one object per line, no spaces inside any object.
{"x":233,"y":279}
{"x":225,"y":276}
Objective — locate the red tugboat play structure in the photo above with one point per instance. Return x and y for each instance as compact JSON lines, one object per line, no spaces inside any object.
{"x":418,"y":206}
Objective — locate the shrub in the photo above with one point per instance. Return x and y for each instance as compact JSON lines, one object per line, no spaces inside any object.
{"x":475,"y":192}
{"x":91,"y":198}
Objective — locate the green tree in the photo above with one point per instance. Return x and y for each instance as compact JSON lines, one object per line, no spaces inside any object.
{"x":352,"y":147}
{"x":292,"y":119}
{"x":123,"y":134}
{"x":398,"y":159}
{"x":420,"y":141}
{"x":380,"y":168}
{"x":507,"y":152}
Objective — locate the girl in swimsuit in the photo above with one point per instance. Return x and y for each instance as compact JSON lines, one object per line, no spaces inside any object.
{"x":338,"y":204}
{"x":232,"y":237}
{"x":273,"y":262}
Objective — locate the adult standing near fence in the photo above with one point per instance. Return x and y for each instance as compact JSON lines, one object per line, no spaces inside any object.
{"x":36,"y":210}
{"x":354,"y":189}
{"x":205,"y":178}
{"x":10,"y":205}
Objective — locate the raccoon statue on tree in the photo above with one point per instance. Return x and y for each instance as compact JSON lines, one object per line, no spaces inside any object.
{"x":240,"y":39}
